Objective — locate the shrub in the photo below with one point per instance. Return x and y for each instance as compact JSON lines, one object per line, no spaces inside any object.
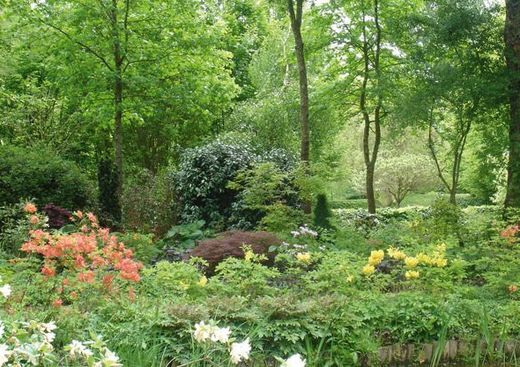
{"x":89,"y":257}
{"x":261,"y":189}
{"x":148,"y":203}
{"x":41,"y":175}
{"x":13,"y":229}
{"x":322,"y":212}
{"x":58,"y":217}
{"x":202,"y":178}
{"x":202,"y":183}
{"x":108,"y":182}
{"x":230,"y":244}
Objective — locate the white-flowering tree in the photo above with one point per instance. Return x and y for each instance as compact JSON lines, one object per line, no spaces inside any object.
{"x":397,"y":175}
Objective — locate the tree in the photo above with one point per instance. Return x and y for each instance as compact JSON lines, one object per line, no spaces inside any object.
{"x":154,"y":76}
{"x":512,"y":53}
{"x":401,"y":174}
{"x":296,"y":17}
{"x":368,"y":63}
{"x":457,"y":79}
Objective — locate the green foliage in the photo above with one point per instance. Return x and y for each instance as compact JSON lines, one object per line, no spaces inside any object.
{"x":170,"y":280}
{"x":322,"y":212}
{"x":184,"y":236}
{"x":247,"y":278}
{"x":148,"y":203}
{"x":142,"y":245}
{"x":41,"y":175}
{"x":13,"y":229}
{"x":202,"y":178}
{"x":108,"y":183}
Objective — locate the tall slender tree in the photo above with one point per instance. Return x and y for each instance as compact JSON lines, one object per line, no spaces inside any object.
{"x":296,"y":16}
{"x":512,"y":53}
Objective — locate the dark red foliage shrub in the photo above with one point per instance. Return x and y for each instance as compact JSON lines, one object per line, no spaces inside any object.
{"x":229,"y":244}
{"x":58,"y":217}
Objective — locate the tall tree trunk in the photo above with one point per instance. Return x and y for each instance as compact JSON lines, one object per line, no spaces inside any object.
{"x":296,"y":16}
{"x":512,"y":53}
{"x":296,"y":25}
{"x":370,"y":157}
{"x":118,"y":99}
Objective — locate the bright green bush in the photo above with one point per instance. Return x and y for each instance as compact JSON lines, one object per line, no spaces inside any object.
{"x":43,"y":176}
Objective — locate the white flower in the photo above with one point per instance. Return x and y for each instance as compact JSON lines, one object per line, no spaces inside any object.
{"x":202,"y":332}
{"x":2,"y":329}
{"x":240,"y":351}
{"x":77,"y":348}
{"x":50,"y":326}
{"x":295,"y":233}
{"x":49,"y":337}
{"x":110,"y":359}
{"x":6,"y":290}
{"x":221,"y":335}
{"x":4,"y":354}
{"x":294,"y":361}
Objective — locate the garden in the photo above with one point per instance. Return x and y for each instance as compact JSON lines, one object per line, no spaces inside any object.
{"x":259,"y":183}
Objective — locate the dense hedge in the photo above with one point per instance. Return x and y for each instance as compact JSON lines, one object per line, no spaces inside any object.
{"x":42,"y":176}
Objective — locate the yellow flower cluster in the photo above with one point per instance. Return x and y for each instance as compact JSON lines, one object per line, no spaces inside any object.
{"x":249,"y":255}
{"x":376,"y":257}
{"x":368,"y":269}
{"x":203,"y":281}
{"x":411,"y":274}
{"x":395,"y":253}
{"x":304,"y":257}
{"x":437,"y":259}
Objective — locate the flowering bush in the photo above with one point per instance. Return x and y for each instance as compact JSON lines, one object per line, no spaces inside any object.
{"x":90,"y":255}
{"x":396,"y":256}
{"x":30,"y":344}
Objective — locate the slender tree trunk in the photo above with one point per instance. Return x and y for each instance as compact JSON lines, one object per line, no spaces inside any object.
{"x":118,"y":98}
{"x":512,"y":53}
{"x":296,"y":16}
{"x":370,"y":157}
{"x":296,"y":24}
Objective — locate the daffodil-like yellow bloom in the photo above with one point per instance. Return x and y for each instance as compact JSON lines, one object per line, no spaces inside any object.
{"x":411,"y":262}
{"x":203,"y":281}
{"x":248,"y":255}
{"x":368,"y":269}
{"x":411,"y":274}
{"x":350,"y":279}
{"x":395,"y":253}
{"x":376,"y":257}
{"x":304,"y":257}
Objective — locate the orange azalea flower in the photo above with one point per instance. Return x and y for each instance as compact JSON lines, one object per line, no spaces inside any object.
{"x":512,"y":288}
{"x":87,"y":277}
{"x":91,"y":217}
{"x":34,"y":219}
{"x":78,"y":213}
{"x":30,"y":208}
{"x":57,"y":303}
{"x":48,"y":272}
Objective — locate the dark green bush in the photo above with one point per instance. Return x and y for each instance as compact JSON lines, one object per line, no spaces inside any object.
{"x":201,"y":182}
{"x":108,"y":183}
{"x":322,"y":212}
{"x":202,"y":178}
{"x":29,"y":173}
